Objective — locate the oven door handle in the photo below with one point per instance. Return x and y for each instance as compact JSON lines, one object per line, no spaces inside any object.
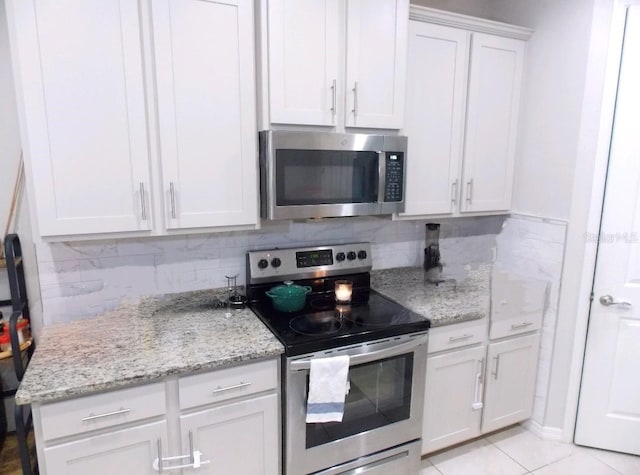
{"x":301,"y":365}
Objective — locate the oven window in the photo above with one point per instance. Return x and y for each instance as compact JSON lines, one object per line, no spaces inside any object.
{"x":310,"y":177}
{"x":380,"y":394}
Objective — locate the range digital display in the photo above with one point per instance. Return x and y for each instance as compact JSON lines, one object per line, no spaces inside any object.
{"x":314,"y":258}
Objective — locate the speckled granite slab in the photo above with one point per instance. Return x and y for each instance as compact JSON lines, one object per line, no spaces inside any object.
{"x":142,"y":342}
{"x":463,"y":296}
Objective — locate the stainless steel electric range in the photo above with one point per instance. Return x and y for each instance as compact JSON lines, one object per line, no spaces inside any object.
{"x":387,"y":344}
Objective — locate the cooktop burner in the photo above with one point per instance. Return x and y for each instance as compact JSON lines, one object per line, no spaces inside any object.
{"x":323,"y":324}
{"x":315,"y":324}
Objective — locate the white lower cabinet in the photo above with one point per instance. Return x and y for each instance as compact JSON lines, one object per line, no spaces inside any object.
{"x":232,"y":428}
{"x":511,"y":378}
{"x":126,"y":451}
{"x":238,"y":438}
{"x":453,"y":396}
{"x":476,"y":388}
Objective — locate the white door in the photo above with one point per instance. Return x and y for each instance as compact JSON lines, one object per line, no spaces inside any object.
{"x":84,"y":128}
{"x":127,"y":452}
{"x":376,"y":63}
{"x":303,"y":61}
{"x":241,"y":438}
{"x":495,"y":78}
{"x":204,"y":54}
{"x":510,"y":381}
{"x":609,"y":408}
{"x":434,"y":121}
{"x":453,"y":398}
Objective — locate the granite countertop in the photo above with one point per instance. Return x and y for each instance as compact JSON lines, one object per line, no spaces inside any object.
{"x":142,"y":342}
{"x":464,"y":295}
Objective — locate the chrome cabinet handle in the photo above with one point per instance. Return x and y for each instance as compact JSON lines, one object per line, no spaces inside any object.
{"x":521,"y":325}
{"x":92,"y":416}
{"x":172,"y":194}
{"x":333,"y":98}
{"x":607,"y":300}
{"x":157,"y":463}
{"x":477,"y":403}
{"x":229,"y":388}
{"x":495,"y":373}
{"x":454,"y":192}
{"x":458,"y":338}
{"x":143,"y":203}
{"x":470,"y":191}
{"x":355,"y":98}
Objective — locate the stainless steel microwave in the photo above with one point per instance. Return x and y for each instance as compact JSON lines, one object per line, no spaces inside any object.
{"x":321,"y":175}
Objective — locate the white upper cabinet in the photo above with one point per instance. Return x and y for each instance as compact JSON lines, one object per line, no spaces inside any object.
{"x":436,"y":83}
{"x":303,"y":61}
{"x":83,"y":116}
{"x":204,"y":52}
{"x":305,"y":47}
{"x":492,"y":122}
{"x":376,"y":63}
{"x":137,"y":118}
{"x":463,"y":95}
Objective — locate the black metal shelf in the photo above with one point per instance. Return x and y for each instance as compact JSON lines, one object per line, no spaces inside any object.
{"x":20,"y":309}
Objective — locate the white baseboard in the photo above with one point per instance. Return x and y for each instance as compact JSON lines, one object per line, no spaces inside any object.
{"x":549,"y":433}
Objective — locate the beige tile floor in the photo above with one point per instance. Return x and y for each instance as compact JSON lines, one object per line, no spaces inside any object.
{"x":517,"y":451}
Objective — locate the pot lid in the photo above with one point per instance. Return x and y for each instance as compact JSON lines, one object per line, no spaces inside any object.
{"x":289,"y":289}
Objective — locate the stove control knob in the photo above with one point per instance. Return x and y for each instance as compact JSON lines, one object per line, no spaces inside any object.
{"x":351,"y":255}
{"x":275,"y":262}
{"x":263,"y":264}
{"x":340,"y":256}
{"x":362,"y":255}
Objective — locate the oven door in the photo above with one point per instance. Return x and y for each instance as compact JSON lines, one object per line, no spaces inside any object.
{"x":382,"y":410}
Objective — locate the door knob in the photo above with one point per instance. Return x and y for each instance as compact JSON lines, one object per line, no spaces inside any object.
{"x":607,"y":300}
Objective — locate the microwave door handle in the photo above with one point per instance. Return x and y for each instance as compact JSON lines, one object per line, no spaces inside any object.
{"x":305,"y":364}
{"x":382,"y":175}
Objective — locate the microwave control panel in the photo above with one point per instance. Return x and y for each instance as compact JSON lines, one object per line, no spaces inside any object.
{"x":394,"y":182}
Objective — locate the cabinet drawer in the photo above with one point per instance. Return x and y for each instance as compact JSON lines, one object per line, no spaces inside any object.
{"x":514,"y":326}
{"x":207,"y":388}
{"x":75,"y":416}
{"x":457,"y":335}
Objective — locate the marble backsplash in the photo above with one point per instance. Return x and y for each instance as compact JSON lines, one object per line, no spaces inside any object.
{"x":83,"y":279}
{"x":534,"y":248}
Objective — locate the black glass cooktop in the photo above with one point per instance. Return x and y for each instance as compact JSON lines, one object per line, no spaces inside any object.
{"x":323,"y":324}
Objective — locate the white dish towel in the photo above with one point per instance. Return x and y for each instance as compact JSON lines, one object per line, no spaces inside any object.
{"x":328,"y":386}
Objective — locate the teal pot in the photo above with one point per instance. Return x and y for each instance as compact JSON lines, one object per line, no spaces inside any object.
{"x":288,"y":297}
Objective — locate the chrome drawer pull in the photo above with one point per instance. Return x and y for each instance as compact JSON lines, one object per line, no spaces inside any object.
{"x":93,"y":416}
{"x":172,"y":193}
{"x":229,"y":388}
{"x":333,"y":98}
{"x":521,"y":325}
{"x":458,"y":338}
{"x":143,"y":202}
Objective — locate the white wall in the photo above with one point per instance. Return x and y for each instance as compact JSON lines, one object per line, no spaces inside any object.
{"x":478,"y":8}
{"x":9,"y":137}
{"x":9,"y":132}
{"x":552,"y":104}
{"x":10,"y":146}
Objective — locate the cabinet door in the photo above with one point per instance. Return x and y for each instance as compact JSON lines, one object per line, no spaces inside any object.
{"x":453,"y":398}
{"x":82,"y":98}
{"x":242,"y":438}
{"x":376,"y":63}
{"x":128,"y":451}
{"x":492,"y":122}
{"x":511,"y":378}
{"x":436,"y":97}
{"x":204,"y":54}
{"x":303,"y":61}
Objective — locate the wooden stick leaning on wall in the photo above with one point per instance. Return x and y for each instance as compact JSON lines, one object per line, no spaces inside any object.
{"x":17,"y":190}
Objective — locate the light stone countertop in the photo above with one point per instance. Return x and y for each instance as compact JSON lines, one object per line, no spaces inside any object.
{"x":465,"y":294}
{"x":140,"y":343}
